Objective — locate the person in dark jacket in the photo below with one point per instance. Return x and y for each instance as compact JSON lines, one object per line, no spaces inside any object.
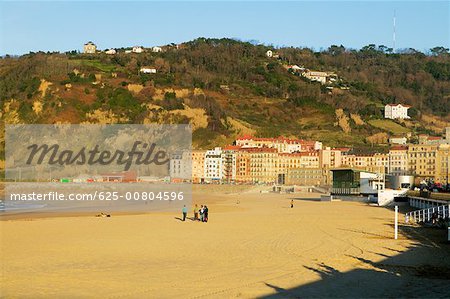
{"x":206,"y":213}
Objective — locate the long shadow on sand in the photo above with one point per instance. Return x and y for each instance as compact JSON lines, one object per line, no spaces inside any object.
{"x":306,"y":199}
{"x":403,"y":275}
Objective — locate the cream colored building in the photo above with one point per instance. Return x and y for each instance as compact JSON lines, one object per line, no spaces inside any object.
{"x":316,"y":76}
{"x":156,"y":49}
{"x":198,"y":165}
{"x":111,"y":51}
{"x":137,"y":49}
{"x":306,"y":176}
{"x":396,"y":111}
{"x":398,"y":160}
{"x":243,"y":167}
{"x":377,"y":163}
{"x":422,"y":161}
{"x":442,"y":164}
{"x":263,"y":165}
{"x":330,"y":158}
{"x":213,"y":170}
{"x":89,"y":48}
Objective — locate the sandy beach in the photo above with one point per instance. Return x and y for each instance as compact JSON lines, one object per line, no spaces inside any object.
{"x":259,"y":247}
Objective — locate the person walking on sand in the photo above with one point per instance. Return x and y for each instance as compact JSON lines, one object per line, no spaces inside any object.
{"x":292,"y":203}
{"x":184,"y":210}
{"x":196,"y":212}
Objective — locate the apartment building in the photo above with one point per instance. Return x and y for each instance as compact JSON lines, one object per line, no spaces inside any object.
{"x":180,"y":166}
{"x":398,"y":160}
{"x":229,"y":163}
{"x":263,"y":165}
{"x":330,"y":158}
{"x":243,"y":166}
{"x":306,"y":176}
{"x":378,"y":163}
{"x":198,"y":166}
{"x":442,"y":164}
{"x":213,"y":170}
{"x":422,"y":161}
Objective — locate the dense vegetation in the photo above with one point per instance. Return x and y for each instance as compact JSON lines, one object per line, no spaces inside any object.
{"x":238,"y":82}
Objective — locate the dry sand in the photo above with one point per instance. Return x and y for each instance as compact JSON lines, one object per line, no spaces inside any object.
{"x":257,"y":248}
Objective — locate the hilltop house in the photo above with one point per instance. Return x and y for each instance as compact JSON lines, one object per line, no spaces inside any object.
{"x":89,"y":48}
{"x":398,"y":140}
{"x":156,"y":49}
{"x":111,"y":51}
{"x":137,"y":49}
{"x":295,"y":68}
{"x":269,"y":53}
{"x":396,"y":111}
{"x":316,"y":76}
{"x":148,"y":70}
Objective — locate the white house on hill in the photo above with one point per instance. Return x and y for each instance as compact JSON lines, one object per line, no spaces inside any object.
{"x":89,"y":48}
{"x":111,"y":51}
{"x":156,"y":49}
{"x":138,"y":49}
{"x":396,"y":111}
{"x":398,"y":140}
{"x":148,"y":70}
{"x":316,"y":76}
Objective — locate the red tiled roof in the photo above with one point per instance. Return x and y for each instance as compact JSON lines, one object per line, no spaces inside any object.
{"x":404,"y":105}
{"x":232,"y":147}
{"x":259,"y":149}
{"x":399,"y":148}
{"x":301,"y":154}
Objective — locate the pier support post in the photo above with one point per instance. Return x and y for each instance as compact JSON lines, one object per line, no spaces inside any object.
{"x":396,"y":223}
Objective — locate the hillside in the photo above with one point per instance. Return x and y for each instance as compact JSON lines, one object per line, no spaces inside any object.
{"x":226,"y":88}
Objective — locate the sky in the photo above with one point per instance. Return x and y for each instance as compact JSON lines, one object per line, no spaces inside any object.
{"x":67,"y":25}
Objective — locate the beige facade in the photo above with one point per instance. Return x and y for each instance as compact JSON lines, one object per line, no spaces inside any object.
{"x":330,"y":158}
{"x":198,"y":165}
{"x":422,"y":161}
{"x":306,"y":176}
{"x":398,"y":160}
{"x":243,"y":167}
{"x":378,"y":163}
{"x":89,"y":48}
{"x":263,"y":165}
{"x":442,"y":164}
{"x":316,"y":76}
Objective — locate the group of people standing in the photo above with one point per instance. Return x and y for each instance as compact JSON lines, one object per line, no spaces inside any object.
{"x":202,"y":212}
